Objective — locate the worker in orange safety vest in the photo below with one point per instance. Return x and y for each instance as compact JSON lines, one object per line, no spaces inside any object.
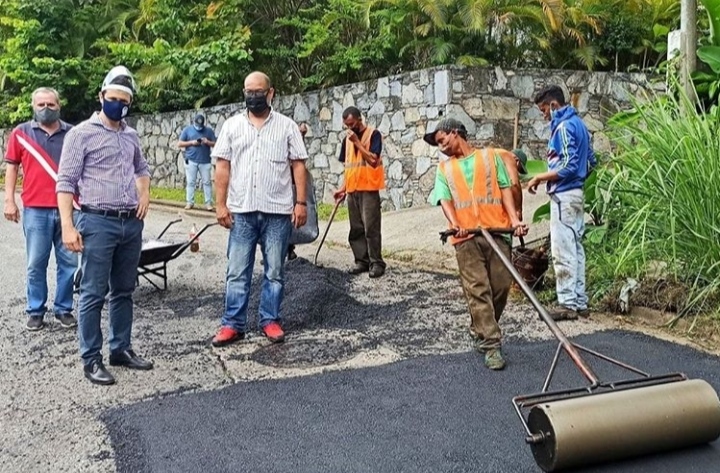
{"x":474,"y":190}
{"x":364,"y":179}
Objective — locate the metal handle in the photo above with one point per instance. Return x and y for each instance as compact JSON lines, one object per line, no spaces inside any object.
{"x":567,"y":345}
{"x":168,"y":226}
{"x":327,"y":229}
{"x":477,"y":231}
{"x":184,"y":246}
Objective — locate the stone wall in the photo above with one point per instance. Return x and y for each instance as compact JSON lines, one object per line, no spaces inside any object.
{"x":403,"y":107}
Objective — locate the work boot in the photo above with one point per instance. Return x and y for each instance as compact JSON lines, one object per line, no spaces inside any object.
{"x":376,"y":271}
{"x":584,"y":313}
{"x":358,"y":269}
{"x":494,"y":359}
{"x":562,"y":313}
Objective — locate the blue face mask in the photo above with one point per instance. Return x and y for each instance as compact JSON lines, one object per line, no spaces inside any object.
{"x":115,"y":110}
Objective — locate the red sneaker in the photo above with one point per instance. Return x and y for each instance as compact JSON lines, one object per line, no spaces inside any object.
{"x":274,"y":332}
{"x":226,"y":336}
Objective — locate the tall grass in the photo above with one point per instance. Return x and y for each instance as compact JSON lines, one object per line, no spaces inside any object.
{"x":665,"y":187}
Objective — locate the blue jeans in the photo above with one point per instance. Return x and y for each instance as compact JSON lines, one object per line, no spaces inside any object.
{"x":567,"y":225}
{"x":272,"y":231}
{"x":43,"y":231}
{"x":110,"y":259}
{"x":191,"y":172}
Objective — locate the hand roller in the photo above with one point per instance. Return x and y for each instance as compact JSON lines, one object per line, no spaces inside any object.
{"x":607,"y":421}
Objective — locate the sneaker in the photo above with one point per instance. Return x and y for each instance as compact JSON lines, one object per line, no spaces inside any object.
{"x":226,"y":336}
{"x":274,"y":332}
{"x":35,"y":323}
{"x":494,"y":359}
{"x":66,"y":320}
{"x":189,"y":206}
{"x":584,"y":313}
{"x":209,"y":208}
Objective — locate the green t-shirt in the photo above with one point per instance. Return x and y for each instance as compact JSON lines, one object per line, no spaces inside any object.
{"x":467,"y":166}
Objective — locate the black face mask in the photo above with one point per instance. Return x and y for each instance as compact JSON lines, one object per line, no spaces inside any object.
{"x":257,"y":105}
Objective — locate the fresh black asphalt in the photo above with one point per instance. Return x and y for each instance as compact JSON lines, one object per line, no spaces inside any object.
{"x":427,"y":414}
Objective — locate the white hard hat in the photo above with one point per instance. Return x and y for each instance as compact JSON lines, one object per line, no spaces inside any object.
{"x":119,"y":78}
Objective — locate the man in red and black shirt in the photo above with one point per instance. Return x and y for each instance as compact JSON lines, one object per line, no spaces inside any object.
{"x":36,"y":147}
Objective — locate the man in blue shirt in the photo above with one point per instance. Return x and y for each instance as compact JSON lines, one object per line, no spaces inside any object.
{"x":196,"y":140}
{"x":570,"y":161}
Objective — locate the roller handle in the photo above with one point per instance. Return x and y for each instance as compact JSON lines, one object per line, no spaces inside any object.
{"x":552,"y":325}
{"x":476,"y":231}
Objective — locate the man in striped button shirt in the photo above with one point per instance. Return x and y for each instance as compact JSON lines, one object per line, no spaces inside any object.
{"x":257,"y":152}
{"x":102,"y":160}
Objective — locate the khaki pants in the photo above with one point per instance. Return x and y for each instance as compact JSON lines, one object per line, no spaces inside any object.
{"x":365,"y":225}
{"x":486,"y":284}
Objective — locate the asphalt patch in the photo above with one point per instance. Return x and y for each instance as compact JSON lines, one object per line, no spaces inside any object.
{"x":429,"y":414}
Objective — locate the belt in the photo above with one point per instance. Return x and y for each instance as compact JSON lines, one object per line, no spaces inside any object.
{"x":129,"y":213}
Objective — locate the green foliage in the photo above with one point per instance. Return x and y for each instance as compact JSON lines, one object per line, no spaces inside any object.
{"x":707,"y":78}
{"x":188,"y":53}
{"x":663,"y":206}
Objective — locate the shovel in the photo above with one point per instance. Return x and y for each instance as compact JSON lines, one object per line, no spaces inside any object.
{"x":332,"y":217}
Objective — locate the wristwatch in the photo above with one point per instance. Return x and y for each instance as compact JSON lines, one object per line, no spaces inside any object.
{"x":303,"y":203}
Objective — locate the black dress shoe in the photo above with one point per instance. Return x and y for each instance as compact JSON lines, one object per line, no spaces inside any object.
{"x":376,"y":271}
{"x":358,"y":269}
{"x":129,"y":359}
{"x":97,"y":374}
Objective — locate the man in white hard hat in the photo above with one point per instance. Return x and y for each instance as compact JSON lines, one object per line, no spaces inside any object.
{"x":102,"y":160}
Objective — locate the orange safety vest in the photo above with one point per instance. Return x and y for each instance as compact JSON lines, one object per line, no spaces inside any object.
{"x":359,"y":175}
{"x":480,"y":206}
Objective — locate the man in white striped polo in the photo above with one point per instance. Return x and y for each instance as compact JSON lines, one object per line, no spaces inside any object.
{"x":36,"y":146}
{"x":103,"y":160}
{"x":257,"y":152}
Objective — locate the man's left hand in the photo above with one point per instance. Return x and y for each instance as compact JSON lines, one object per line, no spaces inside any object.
{"x":533,"y":185}
{"x":143,"y":206}
{"x":299,"y":216}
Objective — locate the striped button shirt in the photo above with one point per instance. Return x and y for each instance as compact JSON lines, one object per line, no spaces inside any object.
{"x":260,"y":172}
{"x":101,"y":165}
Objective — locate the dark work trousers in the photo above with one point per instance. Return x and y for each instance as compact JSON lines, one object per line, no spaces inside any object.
{"x":365,"y":222}
{"x":486,"y":284}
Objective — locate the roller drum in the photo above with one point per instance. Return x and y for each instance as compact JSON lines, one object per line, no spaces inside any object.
{"x":623,"y":424}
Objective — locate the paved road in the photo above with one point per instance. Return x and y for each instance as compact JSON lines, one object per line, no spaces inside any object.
{"x":428,"y":414}
{"x":348,"y":335}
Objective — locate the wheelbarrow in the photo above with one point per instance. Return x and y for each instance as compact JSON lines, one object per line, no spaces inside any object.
{"x":154,"y":257}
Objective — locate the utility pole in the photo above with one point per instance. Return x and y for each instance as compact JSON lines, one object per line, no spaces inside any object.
{"x":688,"y":27}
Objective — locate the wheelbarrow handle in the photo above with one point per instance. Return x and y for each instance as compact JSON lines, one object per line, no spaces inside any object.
{"x":185,"y":245}
{"x":173,"y":222}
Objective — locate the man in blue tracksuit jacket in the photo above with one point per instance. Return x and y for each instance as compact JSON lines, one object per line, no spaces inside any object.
{"x":570,"y":160}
